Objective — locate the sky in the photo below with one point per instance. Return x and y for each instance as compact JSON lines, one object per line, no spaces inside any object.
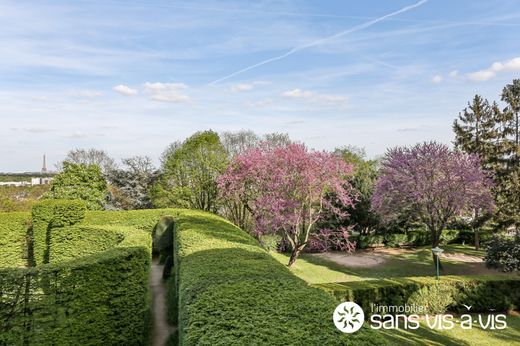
{"x":130,"y":77}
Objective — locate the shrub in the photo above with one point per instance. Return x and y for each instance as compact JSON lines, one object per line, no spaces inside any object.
{"x":395,"y":239}
{"x":99,"y":298}
{"x":503,"y":253}
{"x":366,"y":241}
{"x":437,"y":296}
{"x":13,"y":232}
{"x":230,"y":291}
{"x":271,"y":242}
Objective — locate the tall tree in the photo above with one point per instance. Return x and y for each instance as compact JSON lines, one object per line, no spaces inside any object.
{"x":236,"y":143}
{"x":80,"y":181}
{"x":286,"y":189}
{"x":509,"y":173}
{"x":365,"y":172}
{"x":474,"y":129}
{"x":90,"y":156}
{"x":437,"y":184}
{"x":475,"y":133}
{"x":130,"y":185}
{"x":189,"y":173}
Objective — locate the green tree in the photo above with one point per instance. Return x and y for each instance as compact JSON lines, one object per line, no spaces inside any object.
{"x":508,"y":173}
{"x":189,"y":173}
{"x":474,"y":130}
{"x":475,"y":133}
{"x":361,"y":216}
{"x":80,"y":181}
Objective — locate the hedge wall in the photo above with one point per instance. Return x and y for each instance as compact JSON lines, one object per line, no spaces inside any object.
{"x":142,"y":219}
{"x":48,"y":215}
{"x":483,"y":293}
{"x":98,"y":299}
{"x":95,"y":288}
{"x":232,"y":292}
{"x":13,"y":232}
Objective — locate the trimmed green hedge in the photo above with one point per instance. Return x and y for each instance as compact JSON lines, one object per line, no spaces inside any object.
{"x":13,"y":233}
{"x":142,"y":219}
{"x":483,"y":293}
{"x":230,"y":291}
{"x":95,"y":290}
{"x":48,"y":215}
{"x":98,"y":299}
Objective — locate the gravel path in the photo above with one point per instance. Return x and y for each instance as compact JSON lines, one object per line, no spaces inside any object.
{"x":161,"y":329}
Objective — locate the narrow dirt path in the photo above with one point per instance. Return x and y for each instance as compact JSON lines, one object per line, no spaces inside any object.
{"x":161,"y":329}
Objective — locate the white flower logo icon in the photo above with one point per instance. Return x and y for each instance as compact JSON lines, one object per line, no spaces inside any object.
{"x":348,"y":317}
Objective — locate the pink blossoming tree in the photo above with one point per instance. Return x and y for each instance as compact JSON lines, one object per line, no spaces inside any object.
{"x":287,"y":189}
{"x":434,"y":183}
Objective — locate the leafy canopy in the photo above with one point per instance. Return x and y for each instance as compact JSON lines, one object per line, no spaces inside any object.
{"x":80,"y":181}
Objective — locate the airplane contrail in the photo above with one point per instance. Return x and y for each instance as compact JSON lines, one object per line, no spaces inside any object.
{"x":320,"y":41}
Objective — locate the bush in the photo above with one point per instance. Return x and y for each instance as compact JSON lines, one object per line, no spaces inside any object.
{"x":437,"y":296}
{"x":13,"y":232}
{"x":395,"y":239}
{"x":503,"y":253}
{"x":369,"y":241}
{"x":101,"y":298}
{"x":230,"y":291}
{"x":271,"y":242}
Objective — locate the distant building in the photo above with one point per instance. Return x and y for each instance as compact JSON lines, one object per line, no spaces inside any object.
{"x":43,"y":179}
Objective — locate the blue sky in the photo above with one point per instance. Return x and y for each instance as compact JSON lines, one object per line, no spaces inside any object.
{"x":131,"y":77}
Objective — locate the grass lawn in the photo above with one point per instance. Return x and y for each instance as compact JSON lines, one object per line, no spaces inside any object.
{"x":388,"y":263}
{"x":457,"y":336}
{"x":385,"y":263}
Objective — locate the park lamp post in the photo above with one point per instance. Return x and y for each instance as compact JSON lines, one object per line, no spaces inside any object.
{"x":437,"y":251}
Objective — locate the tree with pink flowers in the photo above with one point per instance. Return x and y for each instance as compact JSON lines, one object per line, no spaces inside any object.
{"x":433,"y":182}
{"x":287,"y":189}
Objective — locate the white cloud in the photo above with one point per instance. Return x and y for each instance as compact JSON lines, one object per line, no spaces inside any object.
{"x":437,"y":79}
{"x":167,"y":92}
{"x":512,"y":65}
{"x":312,"y":96}
{"x":247,"y":86}
{"x":453,"y":73}
{"x":125,"y":90}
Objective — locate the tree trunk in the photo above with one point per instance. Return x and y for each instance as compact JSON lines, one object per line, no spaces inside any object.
{"x":294,"y":256}
{"x":476,"y":231}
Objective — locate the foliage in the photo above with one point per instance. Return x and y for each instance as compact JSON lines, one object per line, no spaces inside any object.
{"x":237,"y":143}
{"x":75,"y":303}
{"x":493,"y":134}
{"x":130,"y":185}
{"x":286,"y":190}
{"x":327,"y":239}
{"x":189,"y":173}
{"x":432,"y":181}
{"x":80,"y":181}
{"x":73,"y":300}
{"x":231,"y":292}
{"x":13,"y":231}
{"x":437,"y":296}
{"x":47,"y":216}
{"x":503,"y":253}
{"x":361,"y":217}
{"x":90,"y":157}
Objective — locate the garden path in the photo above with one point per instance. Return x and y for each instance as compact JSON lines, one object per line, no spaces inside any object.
{"x":161,"y":329}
